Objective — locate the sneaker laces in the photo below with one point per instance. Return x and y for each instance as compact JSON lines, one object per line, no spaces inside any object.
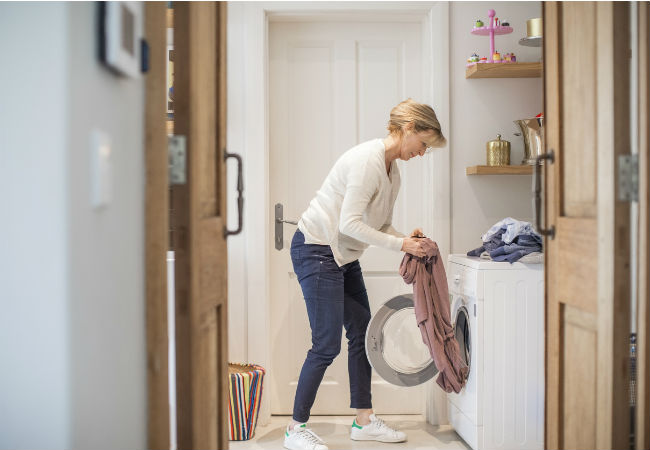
{"x":309,"y":436}
{"x":381,"y":425}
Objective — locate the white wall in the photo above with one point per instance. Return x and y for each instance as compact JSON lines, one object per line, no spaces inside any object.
{"x":34,"y":351}
{"x":106,"y":251}
{"x":480,"y":109}
{"x":237,"y":280}
{"x":72,"y":331}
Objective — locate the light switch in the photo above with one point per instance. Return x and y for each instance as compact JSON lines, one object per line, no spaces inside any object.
{"x":101,"y":169}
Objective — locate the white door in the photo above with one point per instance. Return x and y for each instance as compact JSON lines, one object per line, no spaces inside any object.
{"x":332,"y":85}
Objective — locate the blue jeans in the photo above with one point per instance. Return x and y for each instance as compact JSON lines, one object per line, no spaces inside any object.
{"x":335,"y":297}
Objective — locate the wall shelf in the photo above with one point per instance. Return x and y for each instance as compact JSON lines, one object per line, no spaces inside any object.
{"x":504,"y":70}
{"x":499,"y":170}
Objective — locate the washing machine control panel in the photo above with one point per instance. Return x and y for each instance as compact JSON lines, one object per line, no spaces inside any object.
{"x":463,"y":280}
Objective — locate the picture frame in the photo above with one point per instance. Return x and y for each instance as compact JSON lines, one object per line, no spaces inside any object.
{"x":121,"y":33}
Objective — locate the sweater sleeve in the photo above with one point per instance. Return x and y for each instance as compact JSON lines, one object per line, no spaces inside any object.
{"x":389,"y":229}
{"x":361,"y":186}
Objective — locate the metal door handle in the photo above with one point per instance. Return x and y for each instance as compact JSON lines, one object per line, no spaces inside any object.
{"x":279,"y":230}
{"x":537,"y":191}
{"x":240,"y":196}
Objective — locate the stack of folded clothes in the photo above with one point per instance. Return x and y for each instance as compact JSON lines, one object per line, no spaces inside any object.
{"x":511,"y":240}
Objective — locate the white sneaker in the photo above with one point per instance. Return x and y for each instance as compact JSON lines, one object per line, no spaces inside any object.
{"x":302,"y":438}
{"x":376,"y":430}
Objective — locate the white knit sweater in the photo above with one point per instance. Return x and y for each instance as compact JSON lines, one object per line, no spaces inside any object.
{"x":354,"y":207}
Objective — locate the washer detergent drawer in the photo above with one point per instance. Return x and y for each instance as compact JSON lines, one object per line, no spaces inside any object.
{"x":463,"y":280}
{"x":455,"y":278}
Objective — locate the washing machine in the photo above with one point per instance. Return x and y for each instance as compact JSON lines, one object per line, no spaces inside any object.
{"x":497,"y":314}
{"x":497,"y":311}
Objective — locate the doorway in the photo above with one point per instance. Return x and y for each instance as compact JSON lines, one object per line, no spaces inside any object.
{"x":250,"y":315}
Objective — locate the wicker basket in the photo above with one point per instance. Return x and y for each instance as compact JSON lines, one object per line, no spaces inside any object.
{"x":245,"y":396}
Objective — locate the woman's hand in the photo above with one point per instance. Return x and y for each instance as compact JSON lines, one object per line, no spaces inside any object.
{"x":417,"y":233}
{"x":413,"y":246}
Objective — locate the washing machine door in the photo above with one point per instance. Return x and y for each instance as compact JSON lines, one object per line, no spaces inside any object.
{"x":462,"y":330}
{"x":394,"y":344}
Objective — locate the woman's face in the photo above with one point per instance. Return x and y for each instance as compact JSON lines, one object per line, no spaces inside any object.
{"x":414,"y":143}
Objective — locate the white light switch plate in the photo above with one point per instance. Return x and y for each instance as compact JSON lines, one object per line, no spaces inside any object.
{"x":101,"y":169}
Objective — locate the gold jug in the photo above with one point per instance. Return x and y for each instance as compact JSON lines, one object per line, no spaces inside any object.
{"x":498,"y":152}
{"x":532,"y":130}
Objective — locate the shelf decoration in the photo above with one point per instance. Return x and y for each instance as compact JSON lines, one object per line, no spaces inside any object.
{"x":494,"y":27}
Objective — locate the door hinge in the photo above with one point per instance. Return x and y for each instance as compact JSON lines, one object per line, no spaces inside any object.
{"x":628,"y":178}
{"x":176,"y":150}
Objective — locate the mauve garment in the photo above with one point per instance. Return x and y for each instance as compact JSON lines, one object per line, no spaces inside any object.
{"x":431,"y":298}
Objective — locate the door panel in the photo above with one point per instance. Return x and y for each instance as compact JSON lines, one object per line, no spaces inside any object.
{"x":580,"y":352}
{"x":332,"y":86}
{"x":578,"y":262}
{"x":586,"y":84}
{"x":579,"y":117}
{"x":198,"y":231}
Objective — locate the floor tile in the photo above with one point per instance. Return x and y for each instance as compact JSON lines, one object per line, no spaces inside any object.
{"x":335,"y":430}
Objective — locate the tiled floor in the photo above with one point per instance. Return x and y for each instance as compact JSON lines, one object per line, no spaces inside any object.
{"x":335,"y":431}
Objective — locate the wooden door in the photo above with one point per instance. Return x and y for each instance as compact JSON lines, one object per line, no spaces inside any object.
{"x":199,"y":223}
{"x":355,"y":72}
{"x":586,"y":88}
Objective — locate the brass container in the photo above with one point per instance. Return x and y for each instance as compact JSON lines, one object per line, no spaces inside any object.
{"x":532,"y":130}
{"x":534,"y":27}
{"x":498,"y":152}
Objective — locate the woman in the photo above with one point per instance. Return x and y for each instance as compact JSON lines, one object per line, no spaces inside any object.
{"x":352,"y":210}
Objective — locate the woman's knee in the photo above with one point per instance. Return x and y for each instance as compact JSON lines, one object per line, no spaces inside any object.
{"x":326,"y":351}
{"x":356,"y":340}
{"x":357,"y":324}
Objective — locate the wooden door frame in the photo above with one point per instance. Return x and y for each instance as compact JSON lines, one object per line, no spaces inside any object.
{"x":156,"y":227}
{"x":248,"y":91}
{"x":642,"y":425}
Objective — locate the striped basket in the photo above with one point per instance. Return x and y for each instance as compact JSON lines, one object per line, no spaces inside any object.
{"x":245,"y":397}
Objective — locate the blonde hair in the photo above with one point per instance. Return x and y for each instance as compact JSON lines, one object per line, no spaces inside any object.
{"x":423,"y":118}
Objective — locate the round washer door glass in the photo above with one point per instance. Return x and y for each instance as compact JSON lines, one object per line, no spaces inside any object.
{"x":394,"y":344}
{"x":463,"y":336}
